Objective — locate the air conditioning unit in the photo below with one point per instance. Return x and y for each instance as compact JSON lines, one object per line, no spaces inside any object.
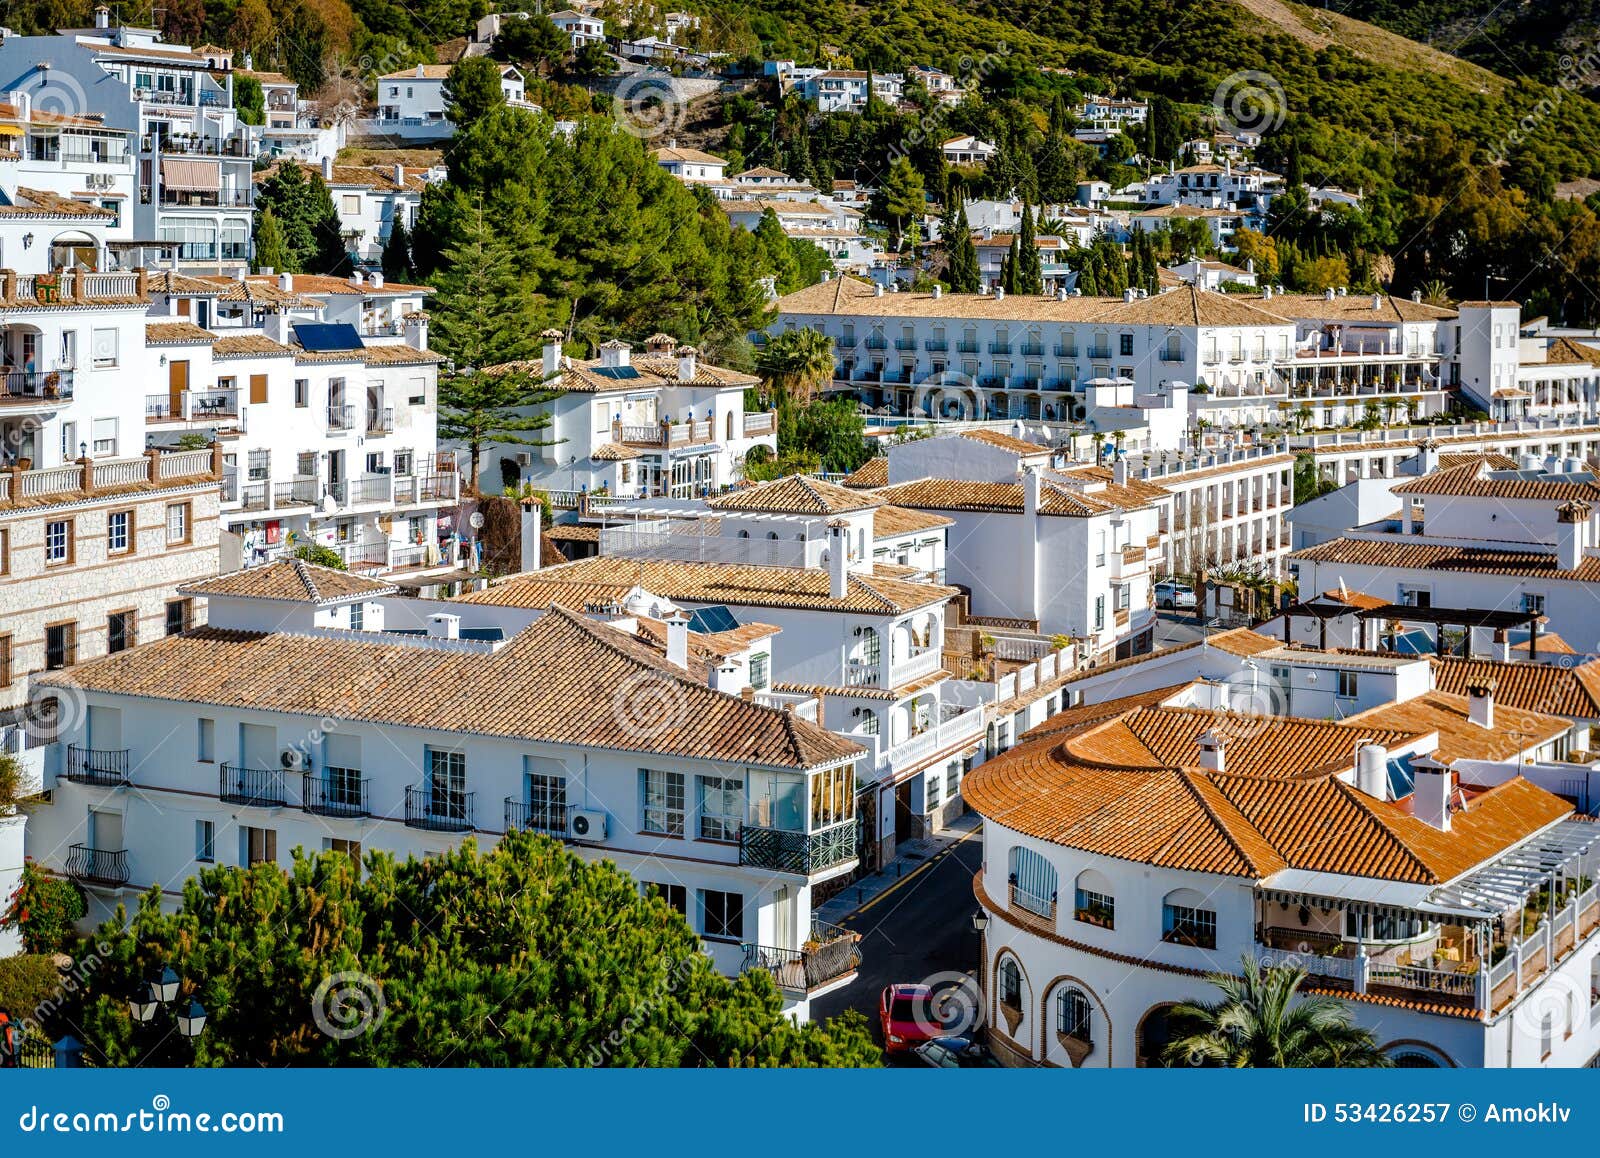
{"x":586,"y":825}
{"x":524,"y":458}
{"x":292,"y":759}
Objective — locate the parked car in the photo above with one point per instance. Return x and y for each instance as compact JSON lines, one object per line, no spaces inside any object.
{"x":955,"y":1053}
{"x":903,"y":1016}
{"x":1172,"y":596}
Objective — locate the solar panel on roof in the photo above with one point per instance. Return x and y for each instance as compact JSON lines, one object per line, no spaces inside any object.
{"x":709,"y":620}
{"x":318,"y":337}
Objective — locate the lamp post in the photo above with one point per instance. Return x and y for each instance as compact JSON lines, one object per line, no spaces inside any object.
{"x":980,"y":923}
{"x":159,"y":993}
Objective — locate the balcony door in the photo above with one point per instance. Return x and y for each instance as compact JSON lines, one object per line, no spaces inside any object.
{"x":105,"y":729}
{"x":258,"y":746}
{"x":177,"y":383}
{"x":105,"y":831}
{"x":783,"y":934}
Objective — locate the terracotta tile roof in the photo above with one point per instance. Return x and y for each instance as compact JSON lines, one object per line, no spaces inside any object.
{"x":43,"y":203}
{"x":1242,"y":641}
{"x":378,"y":178}
{"x":1551,"y":689}
{"x":172,"y":282}
{"x":1004,"y":441}
{"x":869,"y":475}
{"x":241,"y":345}
{"x":1470,"y":458}
{"x":1356,"y":308}
{"x":399,"y":354}
{"x":427,"y":72}
{"x":607,"y":579}
{"x":294,"y":580}
{"x":889,"y":521}
{"x":1056,"y":497}
{"x":1549,"y":644}
{"x":1475,"y":480}
{"x":642,"y":372}
{"x":1087,"y":715}
{"x":794,"y":495}
{"x":1356,"y":599}
{"x":1245,"y":825}
{"x":899,"y":692}
{"x":693,"y":156}
{"x":321,"y":283}
{"x":1515,"y":729}
{"x":582,"y":671}
{"x":173,"y":333}
{"x":574,"y":533}
{"x":1412,"y":555}
{"x":1566,"y":352}
{"x":613,"y":452}
{"x":259,"y":291}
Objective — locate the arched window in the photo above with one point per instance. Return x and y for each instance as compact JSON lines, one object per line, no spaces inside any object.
{"x":730,"y":426}
{"x":744,"y":534}
{"x":1010,"y":977}
{"x":1073,"y":1015}
{"x":1033,"y":881}
{"x":773,"y":535}
{"x":1187,"y":920}
{"x":1413,"y":1060}
{"x":1092,"y":902}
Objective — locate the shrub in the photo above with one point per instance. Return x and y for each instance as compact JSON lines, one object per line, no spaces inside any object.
{"x":45,"y":910}
{"x":319,"y":556}
{"x":27,"y":982}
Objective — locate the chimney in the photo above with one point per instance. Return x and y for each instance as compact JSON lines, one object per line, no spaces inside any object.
{"x":1372,"y":771}
{"x":399,"y":177}
{"x":1480,"y":704}
{"x":1032,"y":492}
{"x":1572,"y":518}
{"x":102,"y":17}
{"x":327,"y":168}
{"x":1377,"y":301}
{"x":286,"y":282}
{"x":838,"y":560}
{"x":1129,"y":294}
{"x":1266,"y":293}
{"x":22,"y":101}
{"x":1212,"y":755}
{"x":678,"y":640}
{"x":615,"y":354}
{"x":725,"y":678}
{"x":938,"y":292}
{"x":1429,"y":456}
{"x":532,"y":536}
{"x":1433,"y":784}
{"x":419,"y":72}
{"x":552,"y":352}
{"x":443,"y":626}
{"x":877,"y":290}
{"x":1327,"y":294}
{"x":356,"y":279}
{"x":687,"y":356}
{"x":1061,"y":294}
{"x":375,"y":279}
{"x":1416,"y":296}
{"x":999,"y":293}
{"x":241,"y":275}
{"x":1119,"y":471}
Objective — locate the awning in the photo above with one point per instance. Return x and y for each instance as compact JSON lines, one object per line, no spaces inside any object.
{"x":203,"y":176}
{"x":10,"y":130}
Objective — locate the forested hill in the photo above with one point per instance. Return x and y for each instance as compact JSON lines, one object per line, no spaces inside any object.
{"x":1538,"y":38}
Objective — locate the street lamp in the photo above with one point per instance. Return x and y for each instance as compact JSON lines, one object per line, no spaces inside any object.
{"x":980,"y":922}
{"x":159,"y":991}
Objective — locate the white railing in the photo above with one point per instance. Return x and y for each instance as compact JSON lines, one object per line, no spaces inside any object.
{"x":183,"y":463}
{"x":1339,"y":968}
{"x":968,"y":725}
{"x":1021,"y":649}
{"x":123,"y":472}
{"x":51,"y":481}
{"x":802,"y":705}
{"x":924,"y":661}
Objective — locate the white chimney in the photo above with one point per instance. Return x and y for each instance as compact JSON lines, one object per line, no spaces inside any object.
{"x":615,"y":354}
{"x":532,"y":536}
{"x":838,"y":560}
{"x":102,"y":17}
{"x":1433,"y":784}
{"x":725,"y":678}
{"x":678,"y":640}
{"x":327,"y":168}
{"x":241,"y":274}
{"x":1129,"y":295}
{"x":999,"y":293}
{"x":1266,"y":293}
{"x":1372,"y":771}
{"x":877,"y":290}
{"x":1429,"y":456}
{"x":357,"y":280}
{"x":286,"y":282}
{"x":1327,"y":294}
{"x":1480,"y":704}
{"x":22,"y":101}
{"x":419,"y":70}
{"x":1061,"y":294}
{"x":938,"y":291}
{"x":1212,"y":755}
{"x":1416,"y":296}
{"x":1377,"y":301}
{"x":1572,"y":518}
{"x":399,"y":176}
{"x":687,"y":363}
{"x":552,"y":353}
{"x":443,"y":626}
{"x":1119,"y":471}
{"x":375,"y":279}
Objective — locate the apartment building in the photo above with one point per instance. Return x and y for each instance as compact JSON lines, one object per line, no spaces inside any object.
{"x":691,"y":166}
{"x":581,"y":27}
{"x":664,"y":423}
{"x":1214,"y":186}
{"x":175,"y":103}
{"x":369,"y":200}
{"x":410,"y":103}
{"x":325,"y":396}
{"x":218,"y":747}
{"x":1136,"y":844}
{"x":844,"y":90}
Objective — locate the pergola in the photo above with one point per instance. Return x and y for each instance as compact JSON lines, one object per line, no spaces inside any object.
{"x":1322,"y":610}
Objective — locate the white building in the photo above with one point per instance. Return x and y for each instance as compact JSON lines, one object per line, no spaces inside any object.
{"x":369,"y":199}
{"x":216,"y":747}
{"x":1112,"y":114}
{"x":843,"y":90}
{"x":581,"y":28}
{"x":1211,"y":186}
{"x":411,"y":102}
{"x":967,"y":150}
{"x":664,"y":423}
{"x":691,"y":166}
{"x":1134,"y":845}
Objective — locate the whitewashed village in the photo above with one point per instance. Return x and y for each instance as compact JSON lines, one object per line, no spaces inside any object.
{"x":975,"y":612}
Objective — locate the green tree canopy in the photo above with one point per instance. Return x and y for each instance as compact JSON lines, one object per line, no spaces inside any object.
{"x":526,"y":955}
{"x":313,"y":241}
{"x":471,"y":90}
{"x":396,"y":259}
{"x":533,"y":40}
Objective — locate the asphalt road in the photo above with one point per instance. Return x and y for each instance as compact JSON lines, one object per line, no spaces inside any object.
{"x":1175,"y":627}
{"x":918,"y":930}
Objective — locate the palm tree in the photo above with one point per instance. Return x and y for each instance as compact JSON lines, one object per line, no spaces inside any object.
{"x":1264,"y":1022}
{"x":1436,"y":293}
{"x":796,"y":362}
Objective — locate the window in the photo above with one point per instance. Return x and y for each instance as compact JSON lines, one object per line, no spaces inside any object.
{"x":358,"y":616}
{"x":1188,"y":925}
{"x":1547,"y":1033}
{"x":721,"y":914}
{"x":350,"y":848}
{"x":105,"y":436}
{"x":952,"y":779}
{"x":302,"y":392}
{"x":177,"y":523}
{"x":1095,"y":908}
{"x":447,"y":784}
{"x":104,"y":344}
{"x":58,"y":541}
{"x":119,"y":532}
{"x":375,"y":462}
{"x":205,"y":840}
{"x":1032,"y":880}
{"x":758,"y":671}
{"x":5,"y":551}
{"x":1346,"y":685}
{"x":258,"y":846}
{"x":1125,"y":345}
{"x":832,"y":797}
{"x":1010,"y":976}
{"x":547,"y":801}
{"x":1099,"y":612}
{"x":177,"y":616}
{"x":60,"y":646}
{"x":721,"y":807}
{"x":663,"y":801}
{"x":119,"y":631}
{"x":676,"y":896}
{"x":350,"y":204}
{"x":402,"y":462}
{"x":1072,"y":1014}
{"x":206,"y":740}
{"x":1532,"y":604}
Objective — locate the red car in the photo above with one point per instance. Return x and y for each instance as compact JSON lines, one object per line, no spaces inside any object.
{"x":904,"y":1016}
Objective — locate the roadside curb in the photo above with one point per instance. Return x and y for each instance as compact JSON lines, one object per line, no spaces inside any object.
{"x":922,"y":868}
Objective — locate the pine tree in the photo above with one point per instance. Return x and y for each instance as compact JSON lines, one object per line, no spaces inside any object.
{"x":397,"y":252}
{"x":272,"y":252}
{"x":962,"y":254}
{"x":1010,"y":268}
{"x":1030,"y":272}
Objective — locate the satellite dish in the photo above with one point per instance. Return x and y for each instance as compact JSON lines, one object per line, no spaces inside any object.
{"x":475,"y":520}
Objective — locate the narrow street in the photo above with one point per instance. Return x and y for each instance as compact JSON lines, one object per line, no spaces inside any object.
{"x":913,"y":932}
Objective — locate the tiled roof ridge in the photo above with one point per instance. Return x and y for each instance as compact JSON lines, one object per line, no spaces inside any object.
{"x":1188,"y":780}
{"x":1362,"y":803}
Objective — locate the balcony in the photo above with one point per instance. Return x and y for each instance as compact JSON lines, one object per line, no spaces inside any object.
{"x":905,"y":343}
{"x":966,"y":347}
{"x":756,"y":425}
{"x":336,"y":792}
{"x":666,"y":434}
{"x":297,"y":492}
{"x":546,"y":819}
{"x":999,"y":347}
{"x":936,"y":345}
{"x":102,"y":767}
{"x":35,"y":388}
{"x":207,"y":199}
{"x":1100,"y":352}
{"x":97,"y":866}
{"x":876,"y":342}
{"x":381,"y":421}
{"x":438,"y":809}
{"x":798,"y":852}
{"x":1063,"y":351}
{"x":961,"y":728}
{"x":1032,"y":350}
{"x":253,"y":787}
{"x":829,"y":957}
{"x":342,"y":417}
{"x":918,"y":663}
{"x":1037,"y":912}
